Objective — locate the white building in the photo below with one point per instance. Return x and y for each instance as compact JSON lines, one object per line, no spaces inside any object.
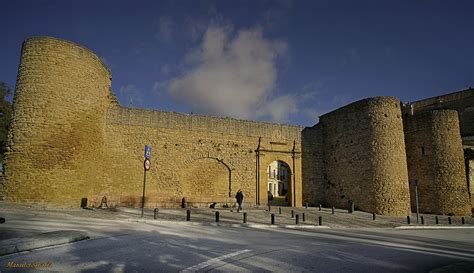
{"x":278,"y":178}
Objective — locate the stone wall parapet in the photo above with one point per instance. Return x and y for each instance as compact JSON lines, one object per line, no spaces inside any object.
{"x":189,"y":122}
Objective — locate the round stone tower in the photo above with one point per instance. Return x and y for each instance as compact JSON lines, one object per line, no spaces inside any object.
{"x":387,"y":156}
{"x":364,"y":157}
{"x":57,"y":131}
{"x":436,"y":162}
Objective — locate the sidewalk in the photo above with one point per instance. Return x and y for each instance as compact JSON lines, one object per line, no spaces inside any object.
{"x":28,"y":227}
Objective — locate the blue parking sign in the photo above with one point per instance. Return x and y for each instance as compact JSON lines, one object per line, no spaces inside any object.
{"x":147,"y":151}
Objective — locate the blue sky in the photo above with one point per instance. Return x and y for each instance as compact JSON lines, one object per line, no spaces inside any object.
{"x":282,"y":61}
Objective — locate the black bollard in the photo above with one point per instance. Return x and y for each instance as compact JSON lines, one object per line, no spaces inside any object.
{"x":333,"y":212}
{"x":217,"y":217}
{"x":279,"y":210}
{"x":245,"y":217}
{"x":304,"y":218}
{"x":449,"y":220}
{"x":373,"y":216}
{"x":155,"y":213}
{"x":188,"y":215}
{"x":462,"y":220}
{"x":297,"y":219}
{"x":320,"y":220}
{"x":292,"y":214}
{"x":408,"y":219}
{"x":320,"y":207}
{"x":436,"y":220}
{"x":273,"y":219}
{"x":422,"y":220}
{"x":84,"y":203}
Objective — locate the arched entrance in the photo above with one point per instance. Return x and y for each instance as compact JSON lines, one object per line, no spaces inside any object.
{"x":265,"y":154}
{"x":206,"y":179}
{"x":279,"y":183}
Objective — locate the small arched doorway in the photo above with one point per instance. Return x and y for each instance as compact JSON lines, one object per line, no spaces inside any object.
{"x":279,"y":183}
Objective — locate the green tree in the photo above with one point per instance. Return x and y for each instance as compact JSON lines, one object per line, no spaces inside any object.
{"x":5,"y":114}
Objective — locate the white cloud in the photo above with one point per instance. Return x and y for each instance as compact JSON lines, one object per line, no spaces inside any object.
{"x":195,"y":27}
{"x":312,"y":90}
{"x":280,"y":108}
{"x":313,"y":114}
{"x":233,"y":76}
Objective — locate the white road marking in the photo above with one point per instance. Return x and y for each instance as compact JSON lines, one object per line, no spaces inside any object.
{"x":213,"y":261}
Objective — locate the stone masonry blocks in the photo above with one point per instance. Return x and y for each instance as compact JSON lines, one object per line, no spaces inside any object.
{"x":364,"y":156}
{"x":436,"y":162}
{"x":58,"y":124}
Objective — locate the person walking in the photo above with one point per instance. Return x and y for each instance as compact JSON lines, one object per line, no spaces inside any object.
{"x":240,"y":198}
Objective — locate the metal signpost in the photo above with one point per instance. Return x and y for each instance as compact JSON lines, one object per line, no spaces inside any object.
{"x":146,"y":167}
{"x":147,"y":151}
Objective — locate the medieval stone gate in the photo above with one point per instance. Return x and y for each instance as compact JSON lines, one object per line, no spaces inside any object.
{"x":291,"y":156}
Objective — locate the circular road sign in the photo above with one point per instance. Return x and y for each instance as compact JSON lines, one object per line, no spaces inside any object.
{"x":146,"y":164}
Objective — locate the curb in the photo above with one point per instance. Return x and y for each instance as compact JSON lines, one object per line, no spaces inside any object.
{"x":60,"y":237}
{"x":434,"y":227}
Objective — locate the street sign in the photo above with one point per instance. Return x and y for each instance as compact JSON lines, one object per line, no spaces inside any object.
{"x":147,"y":164}
{"x":147,"y":151}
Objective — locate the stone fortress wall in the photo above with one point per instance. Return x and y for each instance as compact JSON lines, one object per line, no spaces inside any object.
{"x":70,"y":140}
{"x":200,"y":158}
{"x":368,"y":152}
{"x":381,"y":146}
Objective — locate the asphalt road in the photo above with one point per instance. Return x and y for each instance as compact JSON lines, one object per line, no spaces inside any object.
{"x":188,"y":248}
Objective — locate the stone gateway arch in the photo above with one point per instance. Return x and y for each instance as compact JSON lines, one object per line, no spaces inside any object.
{"x":70,"y":140}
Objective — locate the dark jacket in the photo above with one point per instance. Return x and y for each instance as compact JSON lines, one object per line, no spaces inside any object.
{"x":239,"y":196}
